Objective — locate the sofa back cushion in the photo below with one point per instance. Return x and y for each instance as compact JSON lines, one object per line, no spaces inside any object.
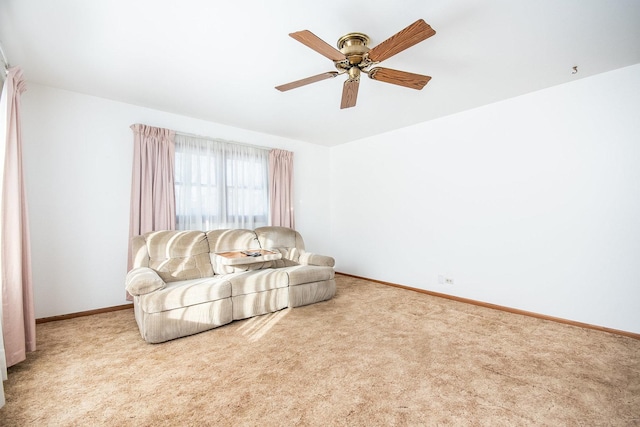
{"x":139,"y":253}
{"x":179,"y":255}
{"x":279,"y":237}
{"x":285,"y":240}
{"x":232,"y":240}
{"x":229,"y":241}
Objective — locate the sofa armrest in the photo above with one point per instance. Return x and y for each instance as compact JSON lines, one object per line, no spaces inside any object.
{"x":143,"y":280}
{"x":308,"y":258}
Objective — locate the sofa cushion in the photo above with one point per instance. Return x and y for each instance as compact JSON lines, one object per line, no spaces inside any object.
{"x":233,"y":240}
{"x":285,"y":240}
{"x":301,"y":274}
{"x":185,"y":293}
{"x":139,"y":253}
{"x":257,"y":281}
{"x":179,"y":255}
{"x":279,"y":237}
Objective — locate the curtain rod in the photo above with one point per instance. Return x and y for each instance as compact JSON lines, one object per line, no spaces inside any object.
{"x":221,"y":139}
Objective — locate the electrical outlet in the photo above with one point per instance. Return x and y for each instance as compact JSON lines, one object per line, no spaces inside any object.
{"x":444,"y":280}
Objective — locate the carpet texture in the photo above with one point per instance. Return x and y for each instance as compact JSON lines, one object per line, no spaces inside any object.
{"x":373,"y":355}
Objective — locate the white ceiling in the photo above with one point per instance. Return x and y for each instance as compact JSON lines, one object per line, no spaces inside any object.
{"x":220,"y":61}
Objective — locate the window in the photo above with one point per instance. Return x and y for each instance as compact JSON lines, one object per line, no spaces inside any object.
{"x":220,"y":184}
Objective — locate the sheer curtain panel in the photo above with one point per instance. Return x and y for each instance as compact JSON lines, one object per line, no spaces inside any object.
{"x":281,"y":188}
{"x":152,"y":189}
{"x":220,"y":184}
{"x":18,"y":316}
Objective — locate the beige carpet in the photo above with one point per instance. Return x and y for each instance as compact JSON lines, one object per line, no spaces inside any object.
{"x":374,"y":355}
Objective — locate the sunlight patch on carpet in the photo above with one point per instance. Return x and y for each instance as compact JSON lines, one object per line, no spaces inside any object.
{"x":256,"y":327}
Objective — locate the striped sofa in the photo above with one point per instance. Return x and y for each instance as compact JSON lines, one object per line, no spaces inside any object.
{"x":185,"y":282}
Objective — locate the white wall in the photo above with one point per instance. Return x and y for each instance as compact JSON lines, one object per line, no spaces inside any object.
{"x":531,"y":203}
{"x":77,"y":158}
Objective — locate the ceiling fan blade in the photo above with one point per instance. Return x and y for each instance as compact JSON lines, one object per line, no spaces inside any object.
{"x":350,"y":93}
{"x":308,"y":80}
{"x":402,"y":78}
{"x":309,"y":39}
{"x":413,"y":34}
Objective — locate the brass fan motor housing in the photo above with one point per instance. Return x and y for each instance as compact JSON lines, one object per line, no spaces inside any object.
{"x":354,"y":46}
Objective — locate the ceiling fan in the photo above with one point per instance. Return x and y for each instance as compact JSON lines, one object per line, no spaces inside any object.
{"x":354,"y":57}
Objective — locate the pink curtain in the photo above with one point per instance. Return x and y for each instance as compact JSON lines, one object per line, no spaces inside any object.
{"x":18,"y":315}
{"x":281,"y":188}
{"x":153,"y":204}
